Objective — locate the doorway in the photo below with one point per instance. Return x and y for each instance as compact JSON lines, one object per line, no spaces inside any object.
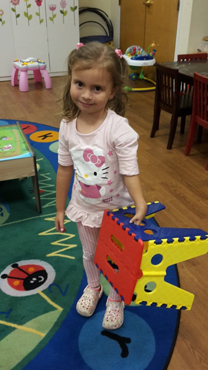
{"x":147,"y":21}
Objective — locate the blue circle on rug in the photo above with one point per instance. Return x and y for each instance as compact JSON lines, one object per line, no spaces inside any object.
{"x":131,"y":347}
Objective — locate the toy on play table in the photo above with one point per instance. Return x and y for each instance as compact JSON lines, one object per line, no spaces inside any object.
{"x":137,"y":58}
{"x":30,"y":64}
{"x":142,"y":254}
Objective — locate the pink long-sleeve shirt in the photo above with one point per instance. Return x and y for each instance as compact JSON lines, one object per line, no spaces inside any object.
{"x":100,"y":160}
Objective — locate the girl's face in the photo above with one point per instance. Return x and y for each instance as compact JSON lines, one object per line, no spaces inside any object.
{"x":91,"y":89}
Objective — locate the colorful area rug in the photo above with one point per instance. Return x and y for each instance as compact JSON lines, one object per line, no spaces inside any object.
{"x":41,"y":278}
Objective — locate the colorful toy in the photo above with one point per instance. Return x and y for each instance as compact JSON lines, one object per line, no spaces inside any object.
{"x":17,"y":158}
{"x":134,"y":259}
{"x":31,"y":64}
{"x":137,"y":58}
{"x":135,"y":52}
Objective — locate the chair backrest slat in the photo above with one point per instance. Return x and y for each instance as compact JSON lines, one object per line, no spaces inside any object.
{"x":195,"y":56}
{"x":167,"y":85}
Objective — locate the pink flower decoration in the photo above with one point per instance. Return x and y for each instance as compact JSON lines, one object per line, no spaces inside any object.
{"x":119,"y":53}
{"x":15,"y":2}
{"x":63,"y":3}
{"x":38,"y":2}
{"x":52,"y":7}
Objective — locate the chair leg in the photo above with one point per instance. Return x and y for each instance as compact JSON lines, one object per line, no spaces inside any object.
{"x":206,"y":168}
{"x":191,"y":135}
{"x":156,"y":121}
{"x":183,"y":122}
{"x":199,"y":133}
{"x":173,"y":125}
{"x":156,"y":117}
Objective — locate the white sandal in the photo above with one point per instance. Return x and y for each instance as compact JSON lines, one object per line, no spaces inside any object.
{"x":114,"y":315}
{"x":87,"y":304}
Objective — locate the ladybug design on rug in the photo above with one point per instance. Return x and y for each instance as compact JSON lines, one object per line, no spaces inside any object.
{"x":26,"y":277}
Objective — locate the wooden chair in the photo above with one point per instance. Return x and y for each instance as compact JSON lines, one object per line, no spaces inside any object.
{"x":199,"y":117}
{"x":174,"y":96}
{"x":196,"y":56}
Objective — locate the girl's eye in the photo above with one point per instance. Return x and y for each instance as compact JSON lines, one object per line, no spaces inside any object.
{"x":97,"y":88}
{"x":79,"y":84}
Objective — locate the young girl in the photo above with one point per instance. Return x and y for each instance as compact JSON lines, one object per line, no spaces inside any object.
{"x":98,"y":144}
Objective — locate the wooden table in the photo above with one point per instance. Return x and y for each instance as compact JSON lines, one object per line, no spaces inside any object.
{"x":188,"y":68}
{"x":17,"y":158}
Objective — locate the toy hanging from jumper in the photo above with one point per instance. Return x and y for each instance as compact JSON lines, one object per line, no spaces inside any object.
{"x":142,"y":254}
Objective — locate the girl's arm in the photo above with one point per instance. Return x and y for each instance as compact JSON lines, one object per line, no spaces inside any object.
{"x":63,"y":180}
{"x":135,"y":190}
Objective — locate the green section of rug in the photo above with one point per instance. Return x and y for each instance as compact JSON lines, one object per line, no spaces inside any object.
{"x":31,"y":315}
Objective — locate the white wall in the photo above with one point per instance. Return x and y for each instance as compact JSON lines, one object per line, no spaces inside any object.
{"x":115,"y":18}
{"x":183,"y":29}
{"x":199,"y":24}
{"x":192,"y":25}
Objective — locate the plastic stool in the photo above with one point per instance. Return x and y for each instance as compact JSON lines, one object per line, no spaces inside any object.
{"x":31,"y":64}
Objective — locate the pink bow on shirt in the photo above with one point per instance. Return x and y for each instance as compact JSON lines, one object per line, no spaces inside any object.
{"x":89,"y":156}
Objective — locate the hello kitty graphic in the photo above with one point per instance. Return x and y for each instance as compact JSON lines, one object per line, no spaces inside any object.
{"x":91,"y":173}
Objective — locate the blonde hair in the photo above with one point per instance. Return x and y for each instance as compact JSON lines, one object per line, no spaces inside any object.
{"x":95,"y":54}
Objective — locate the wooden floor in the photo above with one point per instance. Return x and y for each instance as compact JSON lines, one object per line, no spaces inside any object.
{"x":179,"y":182}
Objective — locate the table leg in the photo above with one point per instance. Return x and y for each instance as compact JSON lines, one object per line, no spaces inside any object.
{"x":14,"y":78}
{"x":23,"y":82}
{"x":47,"y":79}
{"x":37,"y":75}
{"x":36,"y":187}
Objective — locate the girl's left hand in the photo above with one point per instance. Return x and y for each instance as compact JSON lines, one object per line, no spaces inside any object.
{"x":135,"y":190}
{"x":141,"y":211}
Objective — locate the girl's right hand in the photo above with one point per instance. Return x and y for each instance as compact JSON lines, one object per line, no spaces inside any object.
{"x":59,"y":222}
